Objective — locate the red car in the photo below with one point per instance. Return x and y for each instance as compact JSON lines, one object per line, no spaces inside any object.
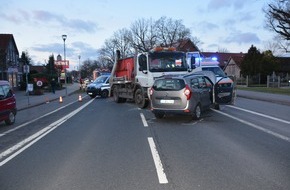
{"x":8,"y":108}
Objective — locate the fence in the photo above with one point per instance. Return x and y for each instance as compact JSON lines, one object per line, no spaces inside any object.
{"x":273,"y":81}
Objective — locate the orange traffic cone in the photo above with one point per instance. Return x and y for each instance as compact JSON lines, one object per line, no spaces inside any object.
{"x":80,"y":98}
{"x":60,"y":99}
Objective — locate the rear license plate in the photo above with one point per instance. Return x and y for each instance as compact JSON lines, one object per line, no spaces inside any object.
{"x":167,"y":101}
{"x":90,"y":93}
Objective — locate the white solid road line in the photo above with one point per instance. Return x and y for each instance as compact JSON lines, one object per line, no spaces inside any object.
{"x":255,"y":126}
{"x":157,"y":161}
{"x":31,"y":121}
{"x":21,"y":146}
{"x":260,"y":114}
{"x":158,"y":164}
{"x":144,"y":120}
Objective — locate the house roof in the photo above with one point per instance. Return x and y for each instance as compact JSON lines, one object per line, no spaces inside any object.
{"x":5,"y":39}
{"x":185,"y":45}
{"x":224,"y":58}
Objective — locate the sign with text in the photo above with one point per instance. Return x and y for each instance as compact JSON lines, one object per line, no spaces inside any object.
{"x":64,"y":64}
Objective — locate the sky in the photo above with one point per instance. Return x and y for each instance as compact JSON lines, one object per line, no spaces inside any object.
{"x":38,"y":25}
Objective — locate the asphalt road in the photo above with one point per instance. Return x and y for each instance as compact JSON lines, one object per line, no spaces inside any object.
{"x":98,"y":144}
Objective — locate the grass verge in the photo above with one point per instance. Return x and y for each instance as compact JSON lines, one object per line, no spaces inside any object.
{"x":284,"y":91}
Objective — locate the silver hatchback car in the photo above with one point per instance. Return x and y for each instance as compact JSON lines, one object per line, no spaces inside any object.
{"x":188,"y":94}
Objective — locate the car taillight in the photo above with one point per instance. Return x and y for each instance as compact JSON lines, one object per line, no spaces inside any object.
{"x":187,"y":92}
{"x":151,"y":91}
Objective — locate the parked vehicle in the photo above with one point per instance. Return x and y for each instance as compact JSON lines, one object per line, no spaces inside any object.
{"x":8,"y":108}
{"x":99,"y":87}
{"x":224,"y":85}
{"x":132,"y":77}
{"x":188,"y":95}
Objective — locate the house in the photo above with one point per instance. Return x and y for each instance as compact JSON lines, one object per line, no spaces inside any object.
{"x":229,"y":62}
{"x":10,"y":67}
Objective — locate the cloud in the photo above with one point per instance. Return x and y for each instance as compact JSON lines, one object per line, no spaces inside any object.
{"x":74,"y":24}
{"x":41,"y":17}
{"x":242,"y":38}
{"x":72,"y":50}
{"x":221,"y":4}
{"x":205,"y":26}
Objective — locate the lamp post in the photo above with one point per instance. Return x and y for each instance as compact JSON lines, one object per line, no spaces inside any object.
{"x":79,"y":67}
{"x":64,"y":38}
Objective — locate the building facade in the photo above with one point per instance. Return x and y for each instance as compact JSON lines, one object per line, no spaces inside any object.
{"x":10,"y":67}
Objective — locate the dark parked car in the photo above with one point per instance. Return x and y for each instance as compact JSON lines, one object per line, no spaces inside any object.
{"x":7,"y":103}
{"x":99,"y":87}
{"x":188,"y":94}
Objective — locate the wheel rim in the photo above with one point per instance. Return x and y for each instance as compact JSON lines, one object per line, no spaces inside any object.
{"x":198,"y":111}
{"x":139,"y":97}
{"x":11,"y":117}
{"x":104,"y":94}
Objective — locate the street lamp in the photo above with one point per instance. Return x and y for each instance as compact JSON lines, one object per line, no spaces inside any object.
{"x":64,"y":38}
{"x":79,"y":67}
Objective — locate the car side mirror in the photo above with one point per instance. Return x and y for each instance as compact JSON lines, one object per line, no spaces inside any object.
{"x":192,"y":62}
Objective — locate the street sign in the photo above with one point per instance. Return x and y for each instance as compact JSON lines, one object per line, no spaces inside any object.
{"x":26,"y":69}
{"x":39,"y":83}
{"x":30,"y":87}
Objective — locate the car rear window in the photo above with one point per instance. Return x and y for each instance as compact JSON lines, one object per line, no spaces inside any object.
{"x":168,"y":84}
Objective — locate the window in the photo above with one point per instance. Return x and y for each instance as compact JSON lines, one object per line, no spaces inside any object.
{"x":169,"y":84}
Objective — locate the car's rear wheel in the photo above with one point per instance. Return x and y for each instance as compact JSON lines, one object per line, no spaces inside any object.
{"x":11,"y":118}
{"x":197,"y":112}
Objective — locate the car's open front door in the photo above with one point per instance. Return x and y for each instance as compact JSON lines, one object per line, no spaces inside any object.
{"x":225,"y":91}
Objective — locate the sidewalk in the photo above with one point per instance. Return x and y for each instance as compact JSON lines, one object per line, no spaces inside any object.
{"x":23,"y":101}
{"x":274,"y":98}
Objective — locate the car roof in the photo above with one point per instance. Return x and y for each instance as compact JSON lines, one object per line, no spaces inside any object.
{"x":180,"y":76}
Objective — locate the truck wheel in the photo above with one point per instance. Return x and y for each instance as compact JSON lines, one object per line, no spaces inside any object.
{"x":11,"y":118}
{"x":104,"y":93}
{"x":140,"y":99}
{"x":116,"y":96}
{"x":197,"y":112}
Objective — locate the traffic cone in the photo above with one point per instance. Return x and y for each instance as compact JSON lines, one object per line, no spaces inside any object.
{"x":60,"y":99}
{"x":80,"y":98}
{"x":46,"y":100}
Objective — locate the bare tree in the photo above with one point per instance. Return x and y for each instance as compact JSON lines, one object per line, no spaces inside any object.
{"x":170,"y":31}
{"x":107,"y":52}
{"x":143,"y":34}
{"x":278,"y":17}
{"x":122,"y":41}
{"x":196,"y":41}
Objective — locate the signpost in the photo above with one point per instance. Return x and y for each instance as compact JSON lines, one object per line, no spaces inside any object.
{"x":26,"y":70}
